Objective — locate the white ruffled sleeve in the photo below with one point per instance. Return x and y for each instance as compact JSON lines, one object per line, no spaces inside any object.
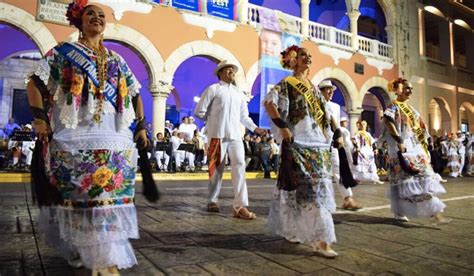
{"x":278,"y":96}
{"x":46,"y":69}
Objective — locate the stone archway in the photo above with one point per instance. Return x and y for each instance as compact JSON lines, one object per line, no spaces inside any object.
{"x":389,"y":10}
{"x":251,"y":76}
{"x":439,"y":116}
{"x":144,"y":47}
{"x":205,"y":48}
{"x":27,"y":23}
{"x":381,"y":84}
{"x":350,"y":91}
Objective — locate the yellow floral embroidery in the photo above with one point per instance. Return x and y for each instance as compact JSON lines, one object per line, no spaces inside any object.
{"x":102,"y":176}
{"x":77,"y":84}
{"x":123,"y":90}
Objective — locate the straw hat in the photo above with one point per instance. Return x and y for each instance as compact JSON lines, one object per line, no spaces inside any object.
{"x":224,"y":64}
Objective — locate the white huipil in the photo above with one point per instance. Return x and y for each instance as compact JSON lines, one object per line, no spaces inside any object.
{"x":365,"y":170}
{"x":92,"y":165}
{"x":411,"y":195}
{"x":224,"y":107}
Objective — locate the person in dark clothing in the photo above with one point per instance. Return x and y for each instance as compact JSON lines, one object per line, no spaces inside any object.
{"x":264,"y":150}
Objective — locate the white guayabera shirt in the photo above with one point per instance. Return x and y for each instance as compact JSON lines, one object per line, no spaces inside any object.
{"x":224,"y":108}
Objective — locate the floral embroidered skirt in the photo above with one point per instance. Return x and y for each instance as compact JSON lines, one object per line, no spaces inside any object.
{"x":97,"y":215}
{"x":454,"y":164}
{"x":415,"y":195}
{"x":366,"y":171}
{"x":303,"y":199}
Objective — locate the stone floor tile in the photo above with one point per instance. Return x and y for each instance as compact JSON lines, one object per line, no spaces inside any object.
{"x":187,"y":270}
{"x":246,"y":266}
{"x":169,"y":256}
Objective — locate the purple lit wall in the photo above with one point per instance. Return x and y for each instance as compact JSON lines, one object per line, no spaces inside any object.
{"x":292,"y":7}
{"x":328,"y":12}
{"x":372,"y":9}
{"x":14,"y":41}
{"x":190,"y":80}
{"x":139,"y":70}
{"x":254,"y":104}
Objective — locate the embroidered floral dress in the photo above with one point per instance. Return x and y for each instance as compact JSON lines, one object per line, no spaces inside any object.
{"x":365,"y":170}
{"x":92,"y":164}
{"x":303,"y":199}
{"x":454,"y":158}
{"x":470,"y":155}
{"x":412,"y":196}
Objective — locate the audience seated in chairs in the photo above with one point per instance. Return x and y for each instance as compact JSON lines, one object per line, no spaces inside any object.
{"x":162,"y":157}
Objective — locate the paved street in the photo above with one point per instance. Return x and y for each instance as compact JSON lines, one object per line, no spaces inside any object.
{"x":179,"y":237}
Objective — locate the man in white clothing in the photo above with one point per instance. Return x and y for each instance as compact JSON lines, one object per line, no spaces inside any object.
{"x":223,"y":106}
{"x":461,"y":151}
{"x":327,"y":89}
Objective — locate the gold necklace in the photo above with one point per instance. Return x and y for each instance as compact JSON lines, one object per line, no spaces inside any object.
{"x":101,"y":60}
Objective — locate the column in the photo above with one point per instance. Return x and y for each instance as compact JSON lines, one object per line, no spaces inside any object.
{"x":160,"y":93}
{"x":353,"y":17}
{"x":354,"y":116}
{"x":421,"y":31}
{"x":451,"y":43}
{"x":305,"y":17}
{"x":244,"y":11}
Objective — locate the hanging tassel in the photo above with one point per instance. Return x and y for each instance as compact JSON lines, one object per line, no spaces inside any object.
{"x":347,"y":178}
{"x":150,"y":191}
{"x":43,"y":192}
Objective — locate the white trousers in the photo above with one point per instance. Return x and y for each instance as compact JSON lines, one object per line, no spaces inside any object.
{"x":162,"y":159}
{"x":181,"y":155}
{"x":336,"y":176}
{"x":236,"y":153}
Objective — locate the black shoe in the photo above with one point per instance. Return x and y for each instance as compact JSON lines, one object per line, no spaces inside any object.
{"x":267,"y":175}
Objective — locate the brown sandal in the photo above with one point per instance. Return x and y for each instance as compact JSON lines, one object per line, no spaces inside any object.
{"x":351,"y":205}
{"x":243,"y":213}
{"x":213,"y":207}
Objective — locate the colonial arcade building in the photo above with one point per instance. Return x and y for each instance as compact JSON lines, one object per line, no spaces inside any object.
{"x":174,"y":46}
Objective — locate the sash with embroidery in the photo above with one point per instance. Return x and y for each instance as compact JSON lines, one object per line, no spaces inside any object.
{"x":82,"y":60}
{"x":315,"y":109}
{"x":420,"y":133}
{"x":366,"y":137}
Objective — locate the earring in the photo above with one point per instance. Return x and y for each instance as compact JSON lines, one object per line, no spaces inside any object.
{"x":81,"y":36}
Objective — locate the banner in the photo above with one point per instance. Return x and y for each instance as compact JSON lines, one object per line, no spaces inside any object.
{"x":227,"y":9}
{"x":272,"y":43}
{"x":190,"y":5}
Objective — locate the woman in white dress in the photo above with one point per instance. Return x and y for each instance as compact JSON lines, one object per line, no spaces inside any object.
{"x":303,"y":199}
{"x":365,"y":170}
{"x":84,"y":94}
{"x":414,"y":185}
{"x":470,"y":154}
{"x":452,"y":152}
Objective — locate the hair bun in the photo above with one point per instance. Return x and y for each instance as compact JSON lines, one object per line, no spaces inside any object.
{"x":288,"y":57}
{"x":74,"y":12}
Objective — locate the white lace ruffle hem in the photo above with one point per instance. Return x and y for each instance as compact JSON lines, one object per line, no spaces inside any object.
{"x":308,"y":222}
{"x":416,"y":185}
{"x":99,"y":235}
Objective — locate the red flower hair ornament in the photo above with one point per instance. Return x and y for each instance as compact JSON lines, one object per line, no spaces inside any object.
{"x":74,"y":12}
{"x":288,"y":57}
{"x":392,"y":86}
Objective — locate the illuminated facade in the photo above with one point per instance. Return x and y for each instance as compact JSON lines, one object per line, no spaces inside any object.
{"x":359,"y":45}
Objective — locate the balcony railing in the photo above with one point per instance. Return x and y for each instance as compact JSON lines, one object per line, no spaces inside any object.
{"x":328,"y":34}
